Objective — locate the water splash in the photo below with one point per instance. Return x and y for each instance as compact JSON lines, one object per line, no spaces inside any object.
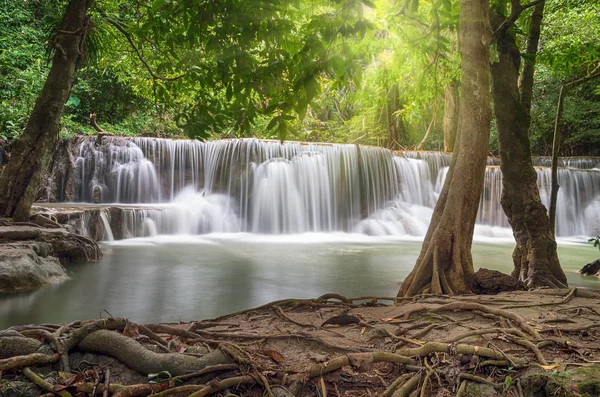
{"x":249,"y":185}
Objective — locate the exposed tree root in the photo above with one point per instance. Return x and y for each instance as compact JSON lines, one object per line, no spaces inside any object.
{"x":567,"y":299}
{"x":32,"y":376}
{"x":144,"y":361}
{"x":491,"y":310}
{"x":253,"y":356}
{"x":444,"y":268}
{"x":362,"y":360}
{"x":437,"y":347}
{"x":28,"y":361}
{"x":140,"y":390}
{"x":224,"y":384}
{"x":485,"y":331}
{"x":407,"y":388}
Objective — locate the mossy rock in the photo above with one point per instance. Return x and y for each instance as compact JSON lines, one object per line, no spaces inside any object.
{"x":584,"y":381}
{"x":480,"y":390}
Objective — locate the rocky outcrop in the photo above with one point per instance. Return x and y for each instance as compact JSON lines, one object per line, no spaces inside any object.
{"x":31,"y":256}
{"x":591,"y":269}
{"x":65,"y":246}
{"x":25,"y":266}
{"x":491,"y":282}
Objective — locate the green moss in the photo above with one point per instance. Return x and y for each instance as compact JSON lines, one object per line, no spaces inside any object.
{"x":589,"y":388}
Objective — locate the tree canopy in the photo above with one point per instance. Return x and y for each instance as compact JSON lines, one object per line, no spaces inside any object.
{"x":361,"y":71}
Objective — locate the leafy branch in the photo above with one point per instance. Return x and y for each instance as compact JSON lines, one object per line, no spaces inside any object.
{"x":124,"y":32}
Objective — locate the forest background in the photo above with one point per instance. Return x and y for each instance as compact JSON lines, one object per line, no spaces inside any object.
{"x":380,"y":74}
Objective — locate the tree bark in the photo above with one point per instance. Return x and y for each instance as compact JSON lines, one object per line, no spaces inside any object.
{"x":31,"y":155}
{"x":450,"y":122}
{"x":445,"y":265}
{"x":535,"y":259}
{"x":395,"y":124}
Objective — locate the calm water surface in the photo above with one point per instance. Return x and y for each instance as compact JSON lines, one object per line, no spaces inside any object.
{"x":183,"y":278}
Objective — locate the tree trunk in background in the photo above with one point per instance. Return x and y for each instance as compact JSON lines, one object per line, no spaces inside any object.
{"x":445,"y":265}
{"x":556,"y":140}
{"x":31,"y":154}
{"x":395,"y":124}
{"x":535,"y":258}
{"x":429,"y":127}
{"x":450,"y":122}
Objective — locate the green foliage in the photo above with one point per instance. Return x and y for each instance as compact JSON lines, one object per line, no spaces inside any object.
{"x":508,"y":382}
{"x":22,"y":64}
{"x":569,"y":49}
{"x":370,"y":72}
{"x":595,"y":241}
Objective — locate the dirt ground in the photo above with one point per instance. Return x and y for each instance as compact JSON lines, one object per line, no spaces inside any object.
{"x":538,"y":343}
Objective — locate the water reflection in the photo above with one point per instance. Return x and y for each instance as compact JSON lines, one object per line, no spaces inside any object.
{"x":170,"y":280}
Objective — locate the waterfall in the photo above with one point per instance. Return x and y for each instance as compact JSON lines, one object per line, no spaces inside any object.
{"x":248,"y":185}
{"x":108,"y":234}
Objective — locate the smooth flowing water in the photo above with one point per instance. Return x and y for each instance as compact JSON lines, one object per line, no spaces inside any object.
{"x":177,"y":278}
{"x":249,"y":185}
{"x":203,"y":229}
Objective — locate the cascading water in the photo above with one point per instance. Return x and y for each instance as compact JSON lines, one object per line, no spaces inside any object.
{"x":248,"y":185}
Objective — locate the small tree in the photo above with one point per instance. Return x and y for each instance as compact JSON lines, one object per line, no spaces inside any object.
{"x":31,"y":154}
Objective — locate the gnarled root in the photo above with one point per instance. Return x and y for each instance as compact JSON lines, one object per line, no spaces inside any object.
{"x":445,"y":267}
{"x":144,"y":361}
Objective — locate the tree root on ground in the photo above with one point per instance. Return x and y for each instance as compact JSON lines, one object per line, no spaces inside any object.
{"x":144,"y":361}
{"x":277,"y":358}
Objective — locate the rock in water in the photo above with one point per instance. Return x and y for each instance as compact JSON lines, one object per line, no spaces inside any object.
{"x":591,"y":269}
{"x":491,"y":282}
{"x":25,"y":266}
{"x":30,"y":257}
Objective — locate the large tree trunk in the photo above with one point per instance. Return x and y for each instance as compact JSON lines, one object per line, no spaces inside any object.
{"x":535,"y":258}
{"x":31,"y":154}
{"x":450,"y":122}
{"x":445,"y":265}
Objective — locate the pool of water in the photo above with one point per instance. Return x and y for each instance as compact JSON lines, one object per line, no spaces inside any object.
{"x":184,"y":278}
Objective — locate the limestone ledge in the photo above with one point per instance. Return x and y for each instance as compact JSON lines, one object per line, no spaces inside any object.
{"x":31,"y":256}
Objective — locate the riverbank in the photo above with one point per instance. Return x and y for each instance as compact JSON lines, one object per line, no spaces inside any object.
{"x":32,"y":254}
{"x":517,"y":343}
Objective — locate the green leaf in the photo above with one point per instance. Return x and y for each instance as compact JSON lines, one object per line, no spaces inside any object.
{"x":282,"y":130}
{"x":273,"y":122}
{"x":73,"y":101}
{"x":338,"y":65}
{"x":311,"y":86}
